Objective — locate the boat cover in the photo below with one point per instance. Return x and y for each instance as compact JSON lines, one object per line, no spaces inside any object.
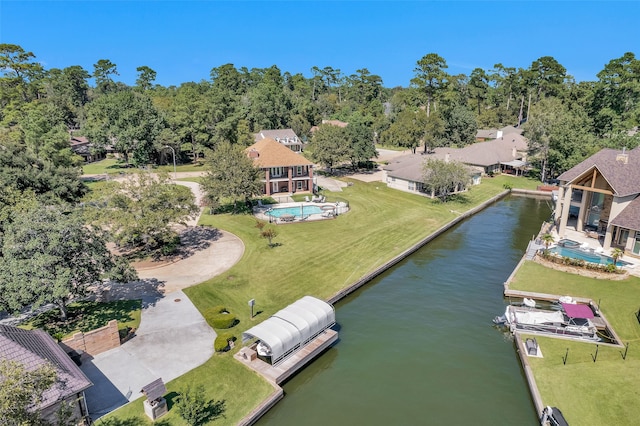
{"x":538,"y":317}
{"x":577,"y":311}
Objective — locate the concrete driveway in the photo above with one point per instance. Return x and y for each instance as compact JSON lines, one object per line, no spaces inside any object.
{"x":173,"y":337}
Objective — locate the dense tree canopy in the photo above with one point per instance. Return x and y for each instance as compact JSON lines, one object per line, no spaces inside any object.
{"x":38,"y":106}
{"x":49,"y":255}
{"x":139,"y":212}
{"x":231,"y":176}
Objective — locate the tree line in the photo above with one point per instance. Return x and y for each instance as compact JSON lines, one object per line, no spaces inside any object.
{"x":565,"y":120}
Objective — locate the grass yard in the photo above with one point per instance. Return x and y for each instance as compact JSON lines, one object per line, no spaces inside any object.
{"x":87,"y":316}
{"x":114,"y":166}
{"x":588,"y":392}
{"x":312,"y":258}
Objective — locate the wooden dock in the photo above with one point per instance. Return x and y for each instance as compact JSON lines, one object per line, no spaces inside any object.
{"x":282,"y":371}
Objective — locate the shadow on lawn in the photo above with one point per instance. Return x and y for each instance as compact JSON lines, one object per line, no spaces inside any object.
{"x":196,"y":239}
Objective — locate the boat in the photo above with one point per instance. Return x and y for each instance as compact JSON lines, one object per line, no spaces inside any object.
{"x":573,"y":320}
{"x":529,"y":302}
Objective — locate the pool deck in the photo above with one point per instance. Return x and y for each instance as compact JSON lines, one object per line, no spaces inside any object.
{"x":330,"y":211}
{"x":595,"y":243}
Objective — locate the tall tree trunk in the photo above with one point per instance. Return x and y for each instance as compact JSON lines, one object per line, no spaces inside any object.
{"x":64,"y":312}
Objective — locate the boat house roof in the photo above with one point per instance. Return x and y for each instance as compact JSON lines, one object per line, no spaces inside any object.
{"x":292,"y":327}
{"x":577,"y":311}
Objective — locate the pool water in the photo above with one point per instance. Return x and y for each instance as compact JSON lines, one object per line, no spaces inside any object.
{"x":586,"y":255}
{"x":295,"y":211}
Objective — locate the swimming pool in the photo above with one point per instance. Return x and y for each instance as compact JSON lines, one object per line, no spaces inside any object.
{"x":587,"y":255}
{"x":298,"y":212}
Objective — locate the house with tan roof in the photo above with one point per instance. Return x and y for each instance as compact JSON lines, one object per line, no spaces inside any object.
{"x":35,"y":348}
{"x":406,"y":173}
{"x":483,"y":135}
{"x":601,"y":196}
{"x":284,"y":170}
{"x":331,"y":123}
{"x":286,"y":137}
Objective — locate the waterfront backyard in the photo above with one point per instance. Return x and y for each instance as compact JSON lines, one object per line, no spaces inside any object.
{"x":316,"y":258}
{"x":589,"y":393}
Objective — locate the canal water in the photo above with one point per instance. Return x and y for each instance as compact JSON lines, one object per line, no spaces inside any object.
{"x":417,"y":345}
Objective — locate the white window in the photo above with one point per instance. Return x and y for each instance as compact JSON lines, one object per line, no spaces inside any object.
{"x":277,"y":171}
{"x":298,"y":170}
{"x":300,"y":184}
{"x":412,"y":186}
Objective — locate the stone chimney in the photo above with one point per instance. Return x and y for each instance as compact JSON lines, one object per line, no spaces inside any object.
{"x":447,"y":157}
{"x":254,"y":154}
{"x":498,"y":134}
{"x":514,"y":152}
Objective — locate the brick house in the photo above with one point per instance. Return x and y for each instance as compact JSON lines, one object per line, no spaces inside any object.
{"x":284,"y":170}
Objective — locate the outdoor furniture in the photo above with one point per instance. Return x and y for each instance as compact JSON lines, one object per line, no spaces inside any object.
{"x":287,"y":218}
{"x":306,"y":198}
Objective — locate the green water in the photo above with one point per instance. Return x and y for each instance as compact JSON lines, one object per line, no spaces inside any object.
{"x":417,"y":345}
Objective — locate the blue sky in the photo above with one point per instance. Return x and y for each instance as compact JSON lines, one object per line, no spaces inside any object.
{"x":183,"y":40}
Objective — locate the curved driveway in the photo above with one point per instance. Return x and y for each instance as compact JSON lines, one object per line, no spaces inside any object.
{"x":173,"y":337}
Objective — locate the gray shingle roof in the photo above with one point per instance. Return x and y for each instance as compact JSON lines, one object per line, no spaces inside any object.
{"x":629,"y":218}
{"x":623,"y":178}
{"x":34,"y":348}
{"x":487,"y":153}
{"x":280,"y":135}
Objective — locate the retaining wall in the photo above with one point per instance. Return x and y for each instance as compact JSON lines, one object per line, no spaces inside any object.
{"x":362,"y":281}
{"x":96,"y":341}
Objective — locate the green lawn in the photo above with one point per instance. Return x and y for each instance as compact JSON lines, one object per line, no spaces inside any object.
{"x":587,"y":392}
{"x":114,"y":166}
{"x":86,"y":316}
{"x":314,"y":258}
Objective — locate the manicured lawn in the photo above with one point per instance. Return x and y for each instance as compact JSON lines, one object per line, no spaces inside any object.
{"x":588,"y":392}
{"x":113,"y":166}
{"x":312,"y":258}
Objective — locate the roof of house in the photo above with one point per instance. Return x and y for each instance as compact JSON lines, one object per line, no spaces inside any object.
{"x":330,"y":122}
{"x":34,"y":348}
{"x":78,"y":140}
{"x":271,"y":153}
{"x":280,"y":135}
{"x":629,"y":218}
{"x":624,"y":177}
{"x":486,"y":133}
{"x":486,"y":153}
{"x":411,"y":167}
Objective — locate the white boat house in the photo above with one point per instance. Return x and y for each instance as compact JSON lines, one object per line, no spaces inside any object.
{"x":290,"y":329}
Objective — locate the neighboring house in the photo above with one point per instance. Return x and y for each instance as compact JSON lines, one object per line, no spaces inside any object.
{"x":82,"y":147}
{"x":506,"y":154}
{"x":286,"y":137}
{"x":406,"y":173}
{"x":34,"y":348}
{"x":284,"y":170}
{"x":602,"y":195}
{"x":484,"y":135}
{"x":330,"y":122}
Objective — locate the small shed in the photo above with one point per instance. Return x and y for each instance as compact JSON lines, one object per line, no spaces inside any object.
{"x":292,"y":327}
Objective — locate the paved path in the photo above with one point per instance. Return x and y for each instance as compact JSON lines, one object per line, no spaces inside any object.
{"x":173,"y":337}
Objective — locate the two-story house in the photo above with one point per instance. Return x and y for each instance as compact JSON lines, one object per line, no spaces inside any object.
{"x":602,"y":195}
{"x":284,"y":170}
{"x":286,"y":137}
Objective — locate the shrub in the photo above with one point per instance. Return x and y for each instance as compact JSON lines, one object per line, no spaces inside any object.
{"x":220,"y":317}
{"x":221,"y":344}
{"x":192,"y":405}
